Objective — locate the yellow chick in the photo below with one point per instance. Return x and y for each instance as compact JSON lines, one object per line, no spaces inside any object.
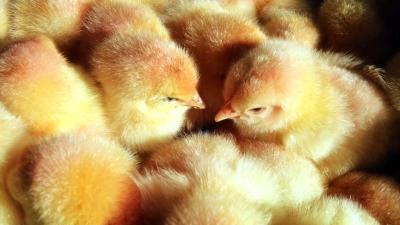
{"x":106,"y":18}
{"x":13,"y":137}
{"x":310,"y":103}
{"x":222,"y":195}
{"x":326,"y":211}
{"x":209,"y":182}
{"x":291,"y":25}
{"x":181,"y":182}
{"x":377,"y":194}
{"x":61,"y":20}
{"x":76,"y":179}
{"x":210,"y":33}
{"x":50,"y":95}
{"x":148,"y":85}
{"x":354,"y":26}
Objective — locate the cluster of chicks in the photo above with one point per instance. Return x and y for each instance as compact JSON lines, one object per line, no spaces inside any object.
{"x":199,"y":112}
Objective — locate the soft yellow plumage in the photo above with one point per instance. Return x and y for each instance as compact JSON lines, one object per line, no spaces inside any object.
{"x":106,"y":18}
{"x":326,"y":211}
{"x":311,"y":103}
{"x":210,"y":182}
{"x":289,"y":24}
{"x":13,"y":137}
{"x":3,"y":21}
{"x":211,"y":35}
{"x":76,"y":179}
{"x":46,"y":92}
{"x":61,"y":20}
{"x":377,"y":194}
{"x":148,"y":84}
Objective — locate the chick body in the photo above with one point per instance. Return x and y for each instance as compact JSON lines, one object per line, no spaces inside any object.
{"x":326,"y":210}
{"x":288,"y":24}
{"x":13,"y":137}
{"x":53,"y":184}
{"x":61,"y":20}
{"x":45,"y":91}
{"x":310,"y":103}
{"x":205,"y":188}
{"x":148,"y":84}
{"x":106,"y":18}
{"x":377,"y":194}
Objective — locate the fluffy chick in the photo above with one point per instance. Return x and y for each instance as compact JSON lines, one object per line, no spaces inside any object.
{"x":326,"y":211}
{"x":148,"y":84}
{"x":291,"y":25}
{"x":378,"y":195}
{"x":13,"y":137}
{"x":244,"y":194}
{"x":308,"y":102}
{"x":205,"y":188}
{"x":353,"y":26}
{"x":211,"y":189}
{"x":61,"y":20}
{"x":53,"y":184}
{"x":106,"y":18}
{"x":168,"y":174}
{"x":47,"y":93}
{"x":210,"y":34}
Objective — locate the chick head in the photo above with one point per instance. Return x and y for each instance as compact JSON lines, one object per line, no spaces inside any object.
{"x":267,"y":88}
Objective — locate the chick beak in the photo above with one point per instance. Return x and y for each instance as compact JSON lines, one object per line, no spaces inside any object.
{"x":196,"y":103}
{"x":226,"y":112}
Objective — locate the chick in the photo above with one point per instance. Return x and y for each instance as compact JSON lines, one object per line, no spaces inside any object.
{"x":76,"y":179}
{"x":61,"y":20}
{"x":353,"y":26}
{"x":326,"y":211}
{"x":188,"y":181}
{"x":308,"y":102}
{"x":148,"y":84}
{"x":13,"y":137}
{"x":205,"y":188}
{"x":291,"y":25}
{"x":210,"y":34}
{"x":220,"y":195}
{"x":50,"y":95}
{"x":106,"y":18}
{"x":377,"y":194}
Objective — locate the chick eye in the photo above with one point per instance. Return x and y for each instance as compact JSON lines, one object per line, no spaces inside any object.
{"x":171,"y":99}
{"x":257,"y":110}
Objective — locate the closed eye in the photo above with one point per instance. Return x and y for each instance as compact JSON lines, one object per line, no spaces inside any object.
{"x":171,"y":99}
{"x":257,"y":110}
